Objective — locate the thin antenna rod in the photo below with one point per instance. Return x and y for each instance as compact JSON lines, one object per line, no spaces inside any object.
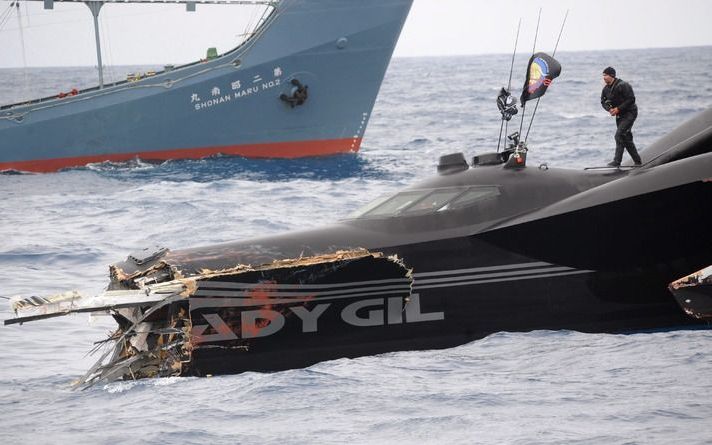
{"x":536,"y":35}
{"x":532,"y":119}
{"x":561,"y":31}
{"x":521,"y":123}
{"x":511,"y":68}
{"x":509,"y":86}
{"x":499,"y":139}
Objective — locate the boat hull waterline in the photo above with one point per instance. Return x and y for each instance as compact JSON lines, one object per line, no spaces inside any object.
{"x":233,"y":104}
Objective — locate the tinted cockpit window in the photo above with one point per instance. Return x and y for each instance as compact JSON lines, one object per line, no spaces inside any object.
{"x":433,"y":201}
{"x":418,"y":202}
{"x":397,"y":203}
{"x":471,"y":196}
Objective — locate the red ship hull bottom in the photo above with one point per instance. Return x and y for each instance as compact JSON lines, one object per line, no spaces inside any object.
{"x":283,"y":150}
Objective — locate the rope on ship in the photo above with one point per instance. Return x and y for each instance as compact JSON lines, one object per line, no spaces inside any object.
{"x":270,"y":11}
{"x":106,"y":37}
{"x":25,"y":82}
{"x":5,"y":15}
{"x":4,"y":19}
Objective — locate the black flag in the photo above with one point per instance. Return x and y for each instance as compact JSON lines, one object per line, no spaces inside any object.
{"x":541,"y":71}
{"x":507,"y":104}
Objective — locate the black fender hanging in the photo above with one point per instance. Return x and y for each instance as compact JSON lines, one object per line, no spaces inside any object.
{"x":298,"y":94}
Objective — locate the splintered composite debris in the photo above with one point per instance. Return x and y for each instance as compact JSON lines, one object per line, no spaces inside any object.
{"x":212,"y":322}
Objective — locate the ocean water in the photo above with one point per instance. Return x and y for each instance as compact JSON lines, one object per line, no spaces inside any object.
{"x":60,"y":231}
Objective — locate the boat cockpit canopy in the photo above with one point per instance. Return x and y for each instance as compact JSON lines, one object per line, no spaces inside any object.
{"x":426,"y":201}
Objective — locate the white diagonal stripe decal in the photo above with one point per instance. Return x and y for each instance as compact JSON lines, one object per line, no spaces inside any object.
{"x":498,"y":280}
{"x":481,"y":269}
{"x":493,"y":275}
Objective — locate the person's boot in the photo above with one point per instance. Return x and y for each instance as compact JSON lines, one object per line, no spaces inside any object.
{"x":636,"y":157}
{"x":632,"y":151}
{"x":618,"y":156}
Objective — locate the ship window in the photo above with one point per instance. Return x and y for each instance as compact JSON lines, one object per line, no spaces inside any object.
{"x":418,"y":202}
{"x":368,"y":207}
{"x":397,"y":203}
{"x":434,"y":201}
{"x":471,"y":196}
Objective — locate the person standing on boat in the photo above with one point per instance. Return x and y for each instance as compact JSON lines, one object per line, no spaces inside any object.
{"x":618,"y":99}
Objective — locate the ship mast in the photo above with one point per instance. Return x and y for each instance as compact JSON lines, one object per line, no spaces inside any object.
{"x":95,"y":7}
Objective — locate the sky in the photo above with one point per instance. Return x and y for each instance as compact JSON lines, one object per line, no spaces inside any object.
{"x":151,"y":34}
{"x":449,"y":27}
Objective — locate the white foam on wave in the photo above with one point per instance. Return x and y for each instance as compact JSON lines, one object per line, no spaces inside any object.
{"x":544,"y":387}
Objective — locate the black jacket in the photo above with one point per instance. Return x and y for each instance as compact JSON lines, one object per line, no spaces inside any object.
{"x":619,"y":94}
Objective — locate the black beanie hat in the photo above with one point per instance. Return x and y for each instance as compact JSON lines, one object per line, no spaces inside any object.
{"x":610,"y":71}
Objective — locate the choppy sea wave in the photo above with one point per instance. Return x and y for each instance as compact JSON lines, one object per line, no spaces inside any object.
{"x":59,"y":231}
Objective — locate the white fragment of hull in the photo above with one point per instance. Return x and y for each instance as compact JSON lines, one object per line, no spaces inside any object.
{"x":37,"y":308}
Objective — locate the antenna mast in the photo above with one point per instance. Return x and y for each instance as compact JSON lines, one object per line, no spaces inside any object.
{"x":509,"y":87}
{"x":511,"y":68}
{"x":553,"y":54}
{"x":536,"y":35}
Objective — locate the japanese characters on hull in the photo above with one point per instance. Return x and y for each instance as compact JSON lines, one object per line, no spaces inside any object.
{"x":237,"y":89}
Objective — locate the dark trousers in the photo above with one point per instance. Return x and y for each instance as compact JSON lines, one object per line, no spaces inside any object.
{"x":624,"y":137}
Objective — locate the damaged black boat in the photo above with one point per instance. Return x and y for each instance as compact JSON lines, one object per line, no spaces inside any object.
{"x":487,"y":246}
{"x":694,"y":294}
{"x":492,"y":246}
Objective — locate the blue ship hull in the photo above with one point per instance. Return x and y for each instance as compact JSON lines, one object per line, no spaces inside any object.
{"x":339,"y":49}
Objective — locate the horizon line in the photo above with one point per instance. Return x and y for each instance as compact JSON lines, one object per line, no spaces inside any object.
{"x":140,"y":64}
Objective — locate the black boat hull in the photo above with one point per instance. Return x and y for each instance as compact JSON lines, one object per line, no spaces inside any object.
{"x":467,"y":290}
